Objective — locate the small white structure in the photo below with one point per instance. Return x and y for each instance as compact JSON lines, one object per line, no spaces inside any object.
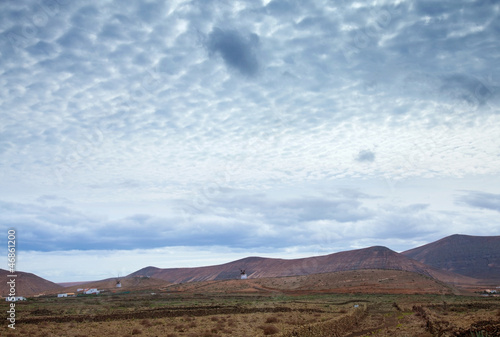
{"x":79,"y":289}
{"x":62,"y":295}
{"x":118,"y":283}
{"x":15,"y":298}
{"x":243,"y":274}
{"x":91,"y":291}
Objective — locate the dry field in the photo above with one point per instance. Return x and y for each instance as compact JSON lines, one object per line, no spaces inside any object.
{"x":175,"y":314}
{"x":351,"y":303}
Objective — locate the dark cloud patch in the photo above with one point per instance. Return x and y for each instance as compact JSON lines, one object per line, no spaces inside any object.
{"x":347,"y":210}
{"x":433,"y":8}
{"x":153,"y":11}
{"x":281,"y":7}
{"x":365,"y":156}
{"x":112,"y":32}
{"x":87,"y":18}
{"x":466,"y":88}
{"x":42,"y":49}
{"x":238,"y":51}
{"x":480,"y":200}
{"x":75,"y":39}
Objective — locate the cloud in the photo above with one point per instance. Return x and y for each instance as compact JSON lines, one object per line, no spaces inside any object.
{"x":365,"y":156}
{"x":229,"y":219}
{"x":120,"y":114}
{"x":481,"y":200}
{"x":237,"y":51}
{"x":111,"y":261}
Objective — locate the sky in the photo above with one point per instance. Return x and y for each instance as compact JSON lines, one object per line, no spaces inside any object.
{"x":190,"y":133}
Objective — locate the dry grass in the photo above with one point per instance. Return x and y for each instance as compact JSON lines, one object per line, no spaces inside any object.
{"x":257,"y":316}
{"x":146,"y":323}
{"x":269,"y":330}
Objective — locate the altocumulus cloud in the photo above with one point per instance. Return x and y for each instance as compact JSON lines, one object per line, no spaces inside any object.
{"x":115,"y":116}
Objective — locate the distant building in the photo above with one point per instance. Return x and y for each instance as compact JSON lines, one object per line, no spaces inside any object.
{"x":79,"y":289}
{"x":62,"y":295}
{"x":243,"y":275}
{"x":15,"y":298}
{"x":91,"y":291}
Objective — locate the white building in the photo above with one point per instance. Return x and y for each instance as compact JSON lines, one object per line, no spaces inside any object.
{"x":62,"y":295}
{"x":15,"y":298}
{"x":91,"y":291}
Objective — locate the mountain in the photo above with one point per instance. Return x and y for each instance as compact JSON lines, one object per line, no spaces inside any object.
{"x":473,"y":256}
{"x":256,"y":267}
{"x":27,"y":284}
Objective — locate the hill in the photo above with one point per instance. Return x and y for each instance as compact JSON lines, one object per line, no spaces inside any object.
{"x":27,"y":284}
{"x":370,"y":281}
{"x":256,"y":267}
{"x":473,"y":256}
{"x":127,"y":283}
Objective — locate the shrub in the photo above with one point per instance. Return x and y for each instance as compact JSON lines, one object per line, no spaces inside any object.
{"x":269,"y":330}
{"x":136,"y":331}
{"x":146,"y":322}
{"x":272,"y":319}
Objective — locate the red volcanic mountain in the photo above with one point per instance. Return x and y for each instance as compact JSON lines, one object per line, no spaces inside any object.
{"x":256,"y":267}
{"x":473,"y":256}
{"x":27,"y":284}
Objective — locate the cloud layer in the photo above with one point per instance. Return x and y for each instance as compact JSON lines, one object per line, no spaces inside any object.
{"x":247,"y":124}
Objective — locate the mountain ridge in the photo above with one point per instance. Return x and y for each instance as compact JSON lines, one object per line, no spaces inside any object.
{"x":375,"y":257}
{"x":468,"y":255}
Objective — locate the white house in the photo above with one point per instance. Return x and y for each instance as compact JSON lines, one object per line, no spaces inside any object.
{"x":62,"y":295}
{"x":91,"y":291}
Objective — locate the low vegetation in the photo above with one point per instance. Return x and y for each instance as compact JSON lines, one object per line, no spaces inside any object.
{"x":209,"y":315}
